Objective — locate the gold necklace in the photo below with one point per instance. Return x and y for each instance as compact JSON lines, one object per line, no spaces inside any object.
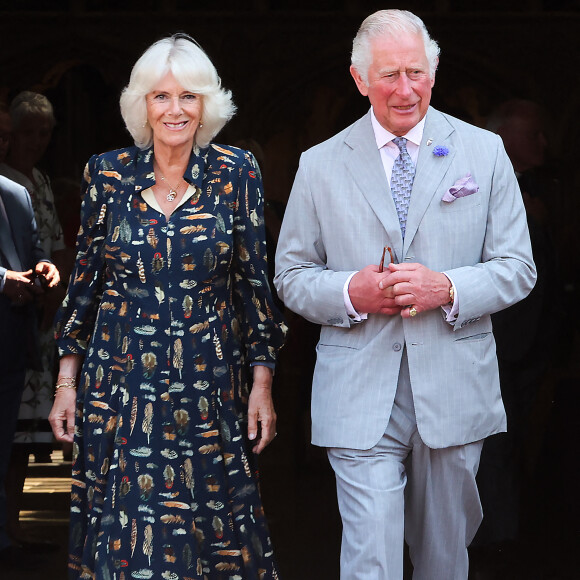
{"x":172,"y":190}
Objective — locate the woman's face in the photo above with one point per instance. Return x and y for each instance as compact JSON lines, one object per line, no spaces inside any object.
{"x":30,"y":139}
{"x":173,"y":113}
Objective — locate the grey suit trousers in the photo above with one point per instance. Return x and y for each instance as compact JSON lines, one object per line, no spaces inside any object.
{"x":402,"y":488}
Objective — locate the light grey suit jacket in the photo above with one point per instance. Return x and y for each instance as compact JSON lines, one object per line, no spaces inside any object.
{"x":340,"y":215}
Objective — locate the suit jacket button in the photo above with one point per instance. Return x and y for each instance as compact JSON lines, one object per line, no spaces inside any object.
{"x":397,"y":346}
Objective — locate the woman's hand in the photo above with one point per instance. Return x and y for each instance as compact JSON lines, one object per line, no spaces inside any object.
{"x":261,"y":409}
{"x":62,"y":414}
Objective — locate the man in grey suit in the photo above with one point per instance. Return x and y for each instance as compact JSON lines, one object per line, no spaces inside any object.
{"x":406,"y":384}
{"x":24,"y":271}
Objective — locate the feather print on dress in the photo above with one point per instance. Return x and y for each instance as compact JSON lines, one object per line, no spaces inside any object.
{"x":147,"y":424}
{"x":152,"y":238}
{"x":157,"y":263}
{"x":133,"y":535}
{"x":178,"y":355}
{"x":203,"y":407}
{"x":184,"y":308}
{"x":169,"y":476}
{"x":218,"y":348}
{"x":149,"y":362}
{"x":141,"y":269}
{"x":188,"y":474}
{"x":133,"y":418}
{"x":146,"y":485}
{"x":181,"y":421}
{"x":187,"y":305}
{"x":148,"y":542}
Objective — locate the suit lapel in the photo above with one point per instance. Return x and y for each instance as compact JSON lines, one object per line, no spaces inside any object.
{"x":431,"y":169}
{"x":6,"y":241}
{"x":364,"y":164}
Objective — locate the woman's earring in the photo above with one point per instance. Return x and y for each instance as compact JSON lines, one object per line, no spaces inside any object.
{"x":200,"y":125}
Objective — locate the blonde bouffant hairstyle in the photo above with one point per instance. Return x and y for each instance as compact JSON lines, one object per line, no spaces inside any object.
{"x":192,"y":68}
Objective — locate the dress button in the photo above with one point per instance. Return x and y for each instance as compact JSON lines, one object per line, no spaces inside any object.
{"x":397,"y":346}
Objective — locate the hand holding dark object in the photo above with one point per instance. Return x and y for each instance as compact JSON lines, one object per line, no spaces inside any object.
{"x":45,"y":279}
{"x":416,"y":287}
{"x":20,"y":287}
{"x":48,"y":274}
{"x":40,"y":281}
{"x":367,"y":296}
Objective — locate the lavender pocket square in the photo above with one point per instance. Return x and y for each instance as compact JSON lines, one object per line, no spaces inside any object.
{"x":461,"y":188}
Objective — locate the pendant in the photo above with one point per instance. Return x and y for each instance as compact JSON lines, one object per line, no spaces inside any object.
{"x":171,"y":195}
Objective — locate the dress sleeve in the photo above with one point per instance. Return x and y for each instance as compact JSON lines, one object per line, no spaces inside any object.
{"x":263,"y":327}
{"x":76,"y":317}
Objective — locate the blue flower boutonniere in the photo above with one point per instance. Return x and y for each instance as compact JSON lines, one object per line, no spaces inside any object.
{"x":440,"y":151}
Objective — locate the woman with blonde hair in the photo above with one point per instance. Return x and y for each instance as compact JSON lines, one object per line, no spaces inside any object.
{"x":167,"y":322}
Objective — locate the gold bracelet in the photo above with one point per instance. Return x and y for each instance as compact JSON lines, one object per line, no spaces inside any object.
{"x":65,"y":386}
{"x":66,"y":383}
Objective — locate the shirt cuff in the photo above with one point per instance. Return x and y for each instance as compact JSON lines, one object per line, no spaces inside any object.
{"x":451,"y":310}
{"x":2,"y":280}
{"x":352,"y":313}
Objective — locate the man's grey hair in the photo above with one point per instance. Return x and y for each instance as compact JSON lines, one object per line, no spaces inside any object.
{"x":391,"y":23}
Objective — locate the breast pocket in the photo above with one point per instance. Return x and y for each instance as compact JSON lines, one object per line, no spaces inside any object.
{"x":466,"y":204}
{"x":474,"y":337}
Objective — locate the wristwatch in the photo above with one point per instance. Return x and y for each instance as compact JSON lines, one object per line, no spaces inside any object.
{"x":451,"y":295}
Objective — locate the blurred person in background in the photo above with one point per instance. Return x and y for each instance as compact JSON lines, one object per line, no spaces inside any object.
{"x":527,"y":335}
{"x":25,"y":274}
{"x":32,"y":119}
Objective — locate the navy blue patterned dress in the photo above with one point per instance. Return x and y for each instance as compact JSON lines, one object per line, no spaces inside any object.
{"x":169,"y":314}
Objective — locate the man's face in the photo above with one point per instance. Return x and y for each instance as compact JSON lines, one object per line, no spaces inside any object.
{"x":399,"y":82}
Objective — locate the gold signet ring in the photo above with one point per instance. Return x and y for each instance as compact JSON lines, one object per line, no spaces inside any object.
{"x":412,"y":311}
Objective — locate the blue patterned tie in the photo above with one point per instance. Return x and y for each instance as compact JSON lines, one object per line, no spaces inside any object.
{"x":402,"y":181}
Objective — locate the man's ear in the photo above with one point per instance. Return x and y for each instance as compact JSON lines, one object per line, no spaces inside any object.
{"x":434,"y":72}
{"x":360,"y":84}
